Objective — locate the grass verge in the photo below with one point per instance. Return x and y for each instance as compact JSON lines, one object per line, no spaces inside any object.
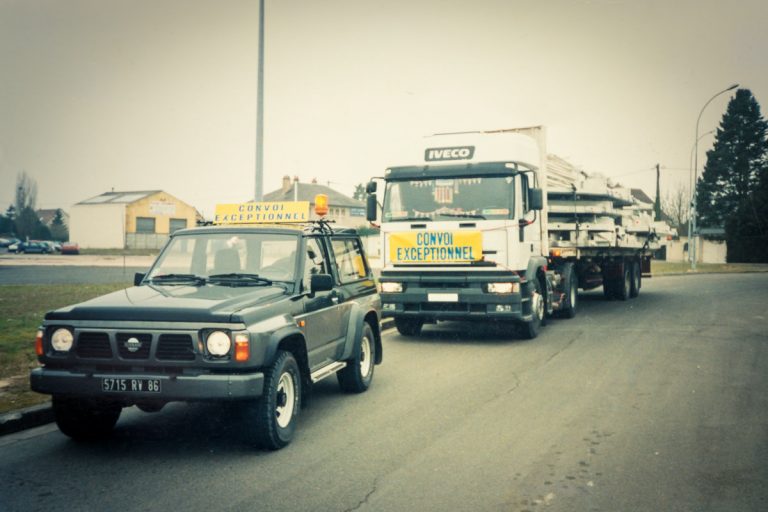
{"x":22,"y":308}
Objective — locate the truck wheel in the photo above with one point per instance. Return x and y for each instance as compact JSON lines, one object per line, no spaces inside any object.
{"x":571,"y":292}
{"x":625,"y":284}
{"x":637,"y":277}
{"x":356,"y":377}
{"x":409,"y":326}
{"x":532,"y":327}
{"x":276,"y":411}
{"x":83,"y":419}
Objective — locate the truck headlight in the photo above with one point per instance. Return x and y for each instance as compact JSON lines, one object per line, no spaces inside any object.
{"x":503,"y":288}
{"x":218,"y":343}
{"x":62,"y":339}
{"x":390,"y":287}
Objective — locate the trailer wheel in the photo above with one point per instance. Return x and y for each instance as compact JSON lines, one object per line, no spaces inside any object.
{"x":624,"y":286}
{"x":532,"y":327}
{"x":637,"y":280}
{"x":409,"y":326}
{"x":571,"y":291}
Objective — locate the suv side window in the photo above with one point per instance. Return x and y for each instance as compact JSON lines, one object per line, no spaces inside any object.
{"x":315,"y":261}
{"x":349,"y":259}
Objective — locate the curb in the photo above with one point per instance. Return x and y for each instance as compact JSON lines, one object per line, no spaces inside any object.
{"x":38,"y":415}
{"x":29,"y":417}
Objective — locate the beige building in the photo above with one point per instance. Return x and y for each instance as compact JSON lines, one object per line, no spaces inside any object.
{"x":134,"y":219}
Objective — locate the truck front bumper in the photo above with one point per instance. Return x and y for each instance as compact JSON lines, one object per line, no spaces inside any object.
{"x":204,"y":387}
{"x":453,"y":297}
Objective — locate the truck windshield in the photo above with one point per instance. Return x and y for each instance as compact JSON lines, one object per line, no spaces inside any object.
{"x":201,"y":255}
{"x":439,"y":199}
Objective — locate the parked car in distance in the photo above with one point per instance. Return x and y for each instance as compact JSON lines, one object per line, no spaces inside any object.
{"x":34,"y":248}
{"x":70,"y":248}
{"x":7,"y":242}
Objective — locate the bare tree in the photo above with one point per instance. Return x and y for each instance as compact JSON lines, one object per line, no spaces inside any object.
{"x":676,"y":205}
{"x":26,"y":192}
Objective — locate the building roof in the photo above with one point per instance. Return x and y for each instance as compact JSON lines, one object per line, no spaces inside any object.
{"x":308,"y":191}
{"x":46,"y":216}
{"x":119,"y":197}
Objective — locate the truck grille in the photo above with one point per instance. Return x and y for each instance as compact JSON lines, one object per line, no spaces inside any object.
{"x":93,"y":345}
{"x":175,"y":347}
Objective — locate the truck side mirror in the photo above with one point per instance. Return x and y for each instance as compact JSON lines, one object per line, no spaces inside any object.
{"x":370,"y":188}
{"x":535,"y":199}
{"x":371,"y":207}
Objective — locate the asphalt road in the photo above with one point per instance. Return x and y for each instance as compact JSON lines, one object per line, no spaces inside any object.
{"x":655,"y":404}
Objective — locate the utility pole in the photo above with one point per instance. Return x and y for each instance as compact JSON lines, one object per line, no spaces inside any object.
{"x":259,"y":191}
{"x":657,"y":204}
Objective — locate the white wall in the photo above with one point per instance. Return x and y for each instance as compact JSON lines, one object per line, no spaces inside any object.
{"x":97,"y":226}
{"x":708,"y":251}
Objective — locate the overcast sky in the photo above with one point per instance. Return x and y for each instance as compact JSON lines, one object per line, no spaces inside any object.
{"x":161,"y":94}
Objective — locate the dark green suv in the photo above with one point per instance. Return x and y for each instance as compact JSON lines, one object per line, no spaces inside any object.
{"x":245,"y":314}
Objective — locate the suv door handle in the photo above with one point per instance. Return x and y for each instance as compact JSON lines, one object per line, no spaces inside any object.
{"x":335,"y":297}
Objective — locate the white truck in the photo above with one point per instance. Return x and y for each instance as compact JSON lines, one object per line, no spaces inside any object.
{"x":471,"y":232}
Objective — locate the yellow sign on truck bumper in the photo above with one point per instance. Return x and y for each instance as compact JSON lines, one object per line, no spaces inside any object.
{"x":436,"y":247}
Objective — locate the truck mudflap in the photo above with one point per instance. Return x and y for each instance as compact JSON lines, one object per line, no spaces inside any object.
{"x":135,"y":386}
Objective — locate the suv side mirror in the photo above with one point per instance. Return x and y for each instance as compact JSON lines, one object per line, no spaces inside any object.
{"x":535,"y":199}
{"x":320,"y":283}
{"x":138,"y":277}
{"x":371,"y":207}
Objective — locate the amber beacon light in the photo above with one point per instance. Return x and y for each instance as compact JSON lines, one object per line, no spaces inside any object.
{"x":321,"y":204}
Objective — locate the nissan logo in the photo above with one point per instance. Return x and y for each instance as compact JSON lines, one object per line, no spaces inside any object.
{"x":133,"y":344}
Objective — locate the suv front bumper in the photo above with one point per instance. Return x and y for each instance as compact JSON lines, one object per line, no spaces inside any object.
{"x":172,"y":387}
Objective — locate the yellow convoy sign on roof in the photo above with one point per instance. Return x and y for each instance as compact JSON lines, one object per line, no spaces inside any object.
{"x":262,"y":213}
{"x":436,"y":247}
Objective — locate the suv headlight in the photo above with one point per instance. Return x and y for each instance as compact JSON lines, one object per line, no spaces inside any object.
{"x":62,"y":339}
{"x":218,"y":343}
{"x":503,"y":287}
{"x":390,"y":287}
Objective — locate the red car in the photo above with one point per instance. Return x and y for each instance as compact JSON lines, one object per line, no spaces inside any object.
{"x":70,"y":248}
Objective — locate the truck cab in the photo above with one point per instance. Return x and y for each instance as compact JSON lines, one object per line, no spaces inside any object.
{"x":463,"y":232}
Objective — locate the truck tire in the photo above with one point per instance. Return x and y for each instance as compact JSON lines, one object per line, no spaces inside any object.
{"x":409,"y":326}
{"x":357,"y":376}
{"x":531,"y":328}
{"x":84,"y":419}
{"x":273,"y":416}
{"x":624,"y":285}
{"x":637,"y":280}
{"x":571,"y":281}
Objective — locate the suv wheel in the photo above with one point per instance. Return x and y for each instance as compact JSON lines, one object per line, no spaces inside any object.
{"x":277,"y":409}
{"x":356,"y":377}
{"x":83,"y":419}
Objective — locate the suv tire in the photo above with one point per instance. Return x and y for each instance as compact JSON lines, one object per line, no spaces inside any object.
{"x":276,"y":411}
{"x":83,"y":419}
{"x":356,"y":377}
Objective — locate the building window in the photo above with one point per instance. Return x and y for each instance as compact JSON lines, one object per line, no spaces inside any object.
{"x":145,"y":224}
{"x":177,"y":224}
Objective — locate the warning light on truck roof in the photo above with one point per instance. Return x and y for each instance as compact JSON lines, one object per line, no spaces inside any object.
{"x":321,"y":204}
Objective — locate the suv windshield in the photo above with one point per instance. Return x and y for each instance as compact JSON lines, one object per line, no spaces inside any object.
{"x":440,"y":199}
{"x":230,"y":256}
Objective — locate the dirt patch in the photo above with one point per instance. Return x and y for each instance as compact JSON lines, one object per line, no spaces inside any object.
{"x":15,"y":394}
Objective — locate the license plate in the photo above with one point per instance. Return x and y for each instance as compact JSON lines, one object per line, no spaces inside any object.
{"x":109,"y":385}
{"x":443,"y":297}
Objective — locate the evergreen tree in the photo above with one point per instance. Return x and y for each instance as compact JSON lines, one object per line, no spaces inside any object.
{"x":735,"y":163}
{"x":58,"y":229}
{"x":359,"y":193}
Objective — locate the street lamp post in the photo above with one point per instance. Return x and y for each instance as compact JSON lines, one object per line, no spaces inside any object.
{"x":692,"y":223}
